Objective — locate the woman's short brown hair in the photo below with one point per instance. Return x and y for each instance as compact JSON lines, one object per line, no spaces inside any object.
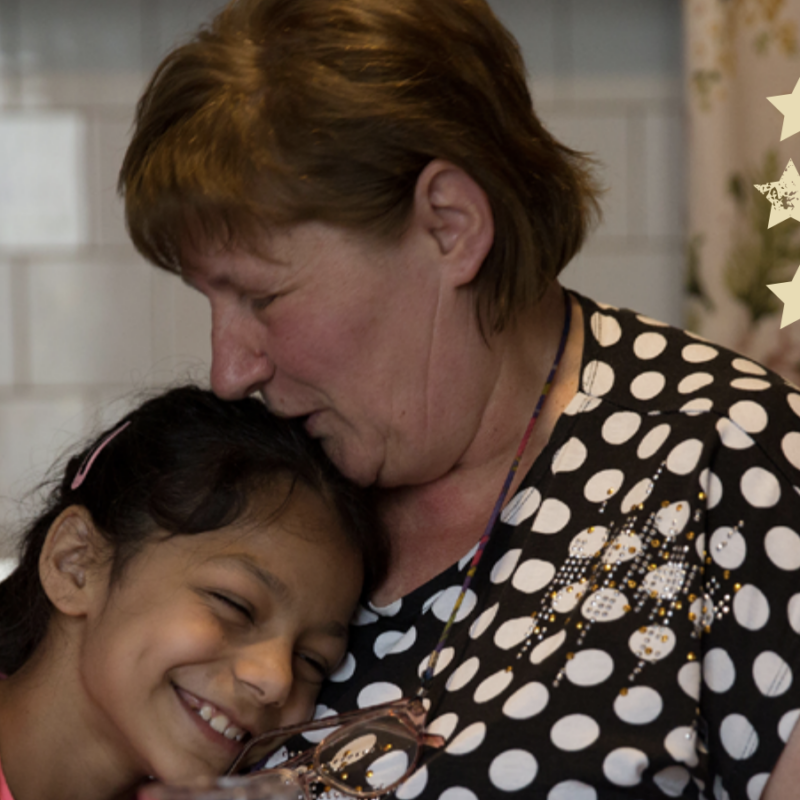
{"x":282,"y":111}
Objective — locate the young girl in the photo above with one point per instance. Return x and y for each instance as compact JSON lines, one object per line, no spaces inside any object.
{"x":188,"y":586}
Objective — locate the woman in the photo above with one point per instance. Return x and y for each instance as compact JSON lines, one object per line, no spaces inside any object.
{"x":378,"y":219}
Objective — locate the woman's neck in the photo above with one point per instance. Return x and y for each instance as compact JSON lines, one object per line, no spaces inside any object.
{"x":47,"y":749}
{"x":434,"y":524}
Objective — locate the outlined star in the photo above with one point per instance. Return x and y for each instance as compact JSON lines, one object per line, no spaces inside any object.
{"x":789,"y":106}
{"x":789,"y":293}
{"x":784,"y":195}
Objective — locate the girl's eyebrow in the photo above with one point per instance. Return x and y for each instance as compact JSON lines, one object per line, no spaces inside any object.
{"x":241,"y":560}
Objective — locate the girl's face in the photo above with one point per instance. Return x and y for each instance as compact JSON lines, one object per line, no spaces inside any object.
{"x":208,"y":639}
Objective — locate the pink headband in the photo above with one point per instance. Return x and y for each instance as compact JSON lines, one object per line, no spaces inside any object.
{"x":80,"y":475}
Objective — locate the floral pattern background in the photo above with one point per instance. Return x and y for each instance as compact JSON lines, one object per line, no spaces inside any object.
{"x":738,"y":53}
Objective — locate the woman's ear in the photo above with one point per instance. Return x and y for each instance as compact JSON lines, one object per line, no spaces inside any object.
{"x":456,"y":212}
{"x":71,"y":562}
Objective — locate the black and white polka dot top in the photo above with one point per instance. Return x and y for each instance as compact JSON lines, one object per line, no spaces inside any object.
{"x":633,"y":630}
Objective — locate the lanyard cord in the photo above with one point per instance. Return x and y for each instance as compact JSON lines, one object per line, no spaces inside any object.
{"x":434,"y":656}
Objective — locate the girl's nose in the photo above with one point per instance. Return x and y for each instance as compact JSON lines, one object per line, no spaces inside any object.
{"x":239,"y":364}
{"x":265,"y":670}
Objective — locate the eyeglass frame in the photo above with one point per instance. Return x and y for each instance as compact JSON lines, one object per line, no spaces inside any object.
{"x":306,"y":767}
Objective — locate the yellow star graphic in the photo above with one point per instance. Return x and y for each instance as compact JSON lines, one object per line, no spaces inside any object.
{"x":784,"y":195}
{"x":789,"y":293}
{"x":789,"y":106}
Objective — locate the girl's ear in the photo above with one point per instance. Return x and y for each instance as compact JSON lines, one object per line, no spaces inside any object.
{"x":71,"y":564}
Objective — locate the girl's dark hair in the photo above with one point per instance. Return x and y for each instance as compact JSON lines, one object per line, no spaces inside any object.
{"x":186,"y":463}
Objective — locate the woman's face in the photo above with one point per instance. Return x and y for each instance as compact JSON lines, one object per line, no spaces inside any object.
{"x":208,"y":639}
{"x":370,"y":343}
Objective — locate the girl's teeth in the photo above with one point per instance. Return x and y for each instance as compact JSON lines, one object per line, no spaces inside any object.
{"x":219,"y":723}
{"x":206,"y":712}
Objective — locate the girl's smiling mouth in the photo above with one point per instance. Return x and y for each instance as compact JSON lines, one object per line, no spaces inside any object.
{"x":213,"y":722}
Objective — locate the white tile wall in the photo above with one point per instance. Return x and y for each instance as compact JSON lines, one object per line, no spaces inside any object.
{"x":83,"y":322}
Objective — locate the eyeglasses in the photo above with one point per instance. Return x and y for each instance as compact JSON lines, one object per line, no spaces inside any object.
{"x":369,"y":753}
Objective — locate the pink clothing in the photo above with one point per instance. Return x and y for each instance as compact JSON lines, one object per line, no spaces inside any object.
{"x":5,"y":792}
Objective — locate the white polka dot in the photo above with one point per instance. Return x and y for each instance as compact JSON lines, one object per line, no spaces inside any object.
{"x":522,"y":506}
{"x":458,"y":793}
{"x":505,"y":566}
{"x":512,"y":632}
{"x":681,"y":744}
{"x":719,"y":671}
{"x":699,"y":353}
{"x":760,"y":487}
{"x":625,"y":765}
{"x":772,"y":674}
{"x":683,"y":458}
{"x":582,"y":404}
{"x":491,"y":687}
{"x":647,"y":385}
{"x":790,"y":444}
{"x":443,"y":725}
{"x":749,"y":416}
{"x":732,"y":436}
{"x":652,"y":642}
{"x":751,"y":607}
{"x":689,"y":676}
{"x":728,"y":548}
{"x":363,"y":616}
{"x":787,"y":723}
{"x":649,"y":345}
{"x":639,"y":705}
{"x":652,"y":442}
{"x":528,"y":701}
{"x":547,"y":647}
{"x":697,"y":380}
{"x":533,"y":575}
{"x":478,"y":628}
{"x":572,"y":790}
{"x":623,"y":548}
{"x":749,"y":367}
{"x":345,"y":670}
{"x":605,"y":605}
{"x":603,"y":485}
{"x":793,"y":612}
{"x":697,"y":405}
{"x":574,"y":732}
{"x":637,"y":494}
{"x":570,"y":456}
{"x":589,"y":667}
{"x":414,"y":786}
{"x":738,"y":736}
{"x":513,"y":770}
{"x":606,"y":329}
{"x":750,"y":384}
{"x":672,"y":780}
{"x":620,"y":427}
{"x":794,"y":403}
{"x":666,"y":581}
{"x":380,"y":692}
{"x":712,"y":486}
{"x":442,"y":662}
{"x":756,"y":784}
{"x":783,"y":547}
{"x":589,"y":542}
{"x":388,"y":611}
{"x":672,"y":519}
{"x":467,"y":740}
{"x":552,"y":517}
{"x":394,"y":642}
{"x":320,"y":712}
{"x":598,"y":378}
{"x":463,"y":674}
{"x":467,"y":557}
{"x":567,"y":597}
{"x":443,"y":607}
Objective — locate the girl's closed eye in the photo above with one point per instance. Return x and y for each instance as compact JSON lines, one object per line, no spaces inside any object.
{"x":312,"y":668}
{"x":241,"y":608}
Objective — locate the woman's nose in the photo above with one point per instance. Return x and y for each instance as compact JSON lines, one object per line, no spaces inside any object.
{"x":265,"y":669}
{"x":239,"y":365}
